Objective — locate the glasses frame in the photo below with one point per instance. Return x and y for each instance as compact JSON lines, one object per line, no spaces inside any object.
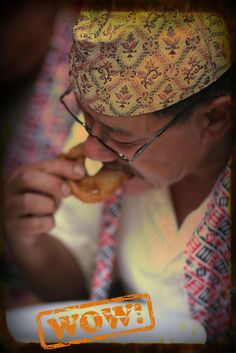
{"x":120,"y":155}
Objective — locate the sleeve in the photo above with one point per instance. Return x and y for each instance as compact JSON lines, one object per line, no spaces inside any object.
{"x":77,"y":226}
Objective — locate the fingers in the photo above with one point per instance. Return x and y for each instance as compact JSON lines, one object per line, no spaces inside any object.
{"x":46,"y":177}
{"x":36,"y":180}
{"x":33,"y":192}
{"x":30,"y":204}
{"x":62,"y":168}
{"x":66,"y":169}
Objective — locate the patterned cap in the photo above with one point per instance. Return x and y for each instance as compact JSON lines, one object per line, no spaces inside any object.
{"x":131,"y":63}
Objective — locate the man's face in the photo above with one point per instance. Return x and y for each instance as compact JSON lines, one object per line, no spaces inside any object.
{"x":173,"y":156}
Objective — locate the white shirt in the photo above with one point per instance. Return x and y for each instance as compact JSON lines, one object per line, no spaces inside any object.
{"x":149,"y":250}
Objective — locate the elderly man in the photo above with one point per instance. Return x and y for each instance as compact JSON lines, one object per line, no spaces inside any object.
{"x":154,"y":90}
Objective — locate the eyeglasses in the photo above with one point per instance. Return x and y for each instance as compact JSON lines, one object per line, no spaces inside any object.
{"x":120,"y":155}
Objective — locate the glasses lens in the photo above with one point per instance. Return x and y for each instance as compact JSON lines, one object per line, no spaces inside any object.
{"x":79,"y":133}
{"x":125,"y":148}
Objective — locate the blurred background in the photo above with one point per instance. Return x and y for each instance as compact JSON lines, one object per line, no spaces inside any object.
{"x":36,"y":37}
{"x":30,"y":30}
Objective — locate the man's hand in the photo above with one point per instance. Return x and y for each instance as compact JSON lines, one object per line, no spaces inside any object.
{"x":33,"y":193}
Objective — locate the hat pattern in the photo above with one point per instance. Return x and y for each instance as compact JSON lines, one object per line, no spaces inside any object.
{"x":131,"y":63}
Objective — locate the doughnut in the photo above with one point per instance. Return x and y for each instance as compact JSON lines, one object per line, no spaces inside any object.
{"x":99,"y":187}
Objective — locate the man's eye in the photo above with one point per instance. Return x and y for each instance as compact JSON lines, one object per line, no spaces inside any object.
{"x":127,"y":144}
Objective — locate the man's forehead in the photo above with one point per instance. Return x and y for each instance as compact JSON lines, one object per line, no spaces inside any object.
{"x":125,"y":126}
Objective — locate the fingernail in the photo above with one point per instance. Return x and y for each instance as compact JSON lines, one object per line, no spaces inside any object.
{"x":78,"y":170}
{"x":65,"y":189}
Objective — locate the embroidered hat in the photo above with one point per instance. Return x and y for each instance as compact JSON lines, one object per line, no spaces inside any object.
{"x":131,"y":63}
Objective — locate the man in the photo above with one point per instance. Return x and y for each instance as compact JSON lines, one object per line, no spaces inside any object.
{"x":155,"y":93}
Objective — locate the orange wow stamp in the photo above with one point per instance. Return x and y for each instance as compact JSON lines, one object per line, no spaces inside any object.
{"x":94,"y":321}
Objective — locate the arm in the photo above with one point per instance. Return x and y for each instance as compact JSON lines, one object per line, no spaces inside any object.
{"x":50,"y":269}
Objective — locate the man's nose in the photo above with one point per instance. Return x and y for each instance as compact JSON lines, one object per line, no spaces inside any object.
{"x":96,"y":151}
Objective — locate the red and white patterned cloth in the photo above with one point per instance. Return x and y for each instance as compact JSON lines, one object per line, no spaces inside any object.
{"x":207,"y":267}
{"x":106,"y":248}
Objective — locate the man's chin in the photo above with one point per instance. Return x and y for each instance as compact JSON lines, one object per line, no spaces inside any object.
{"x":136,"y":185}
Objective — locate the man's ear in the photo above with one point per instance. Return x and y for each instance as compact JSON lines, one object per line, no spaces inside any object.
{"x":217,"y":118}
